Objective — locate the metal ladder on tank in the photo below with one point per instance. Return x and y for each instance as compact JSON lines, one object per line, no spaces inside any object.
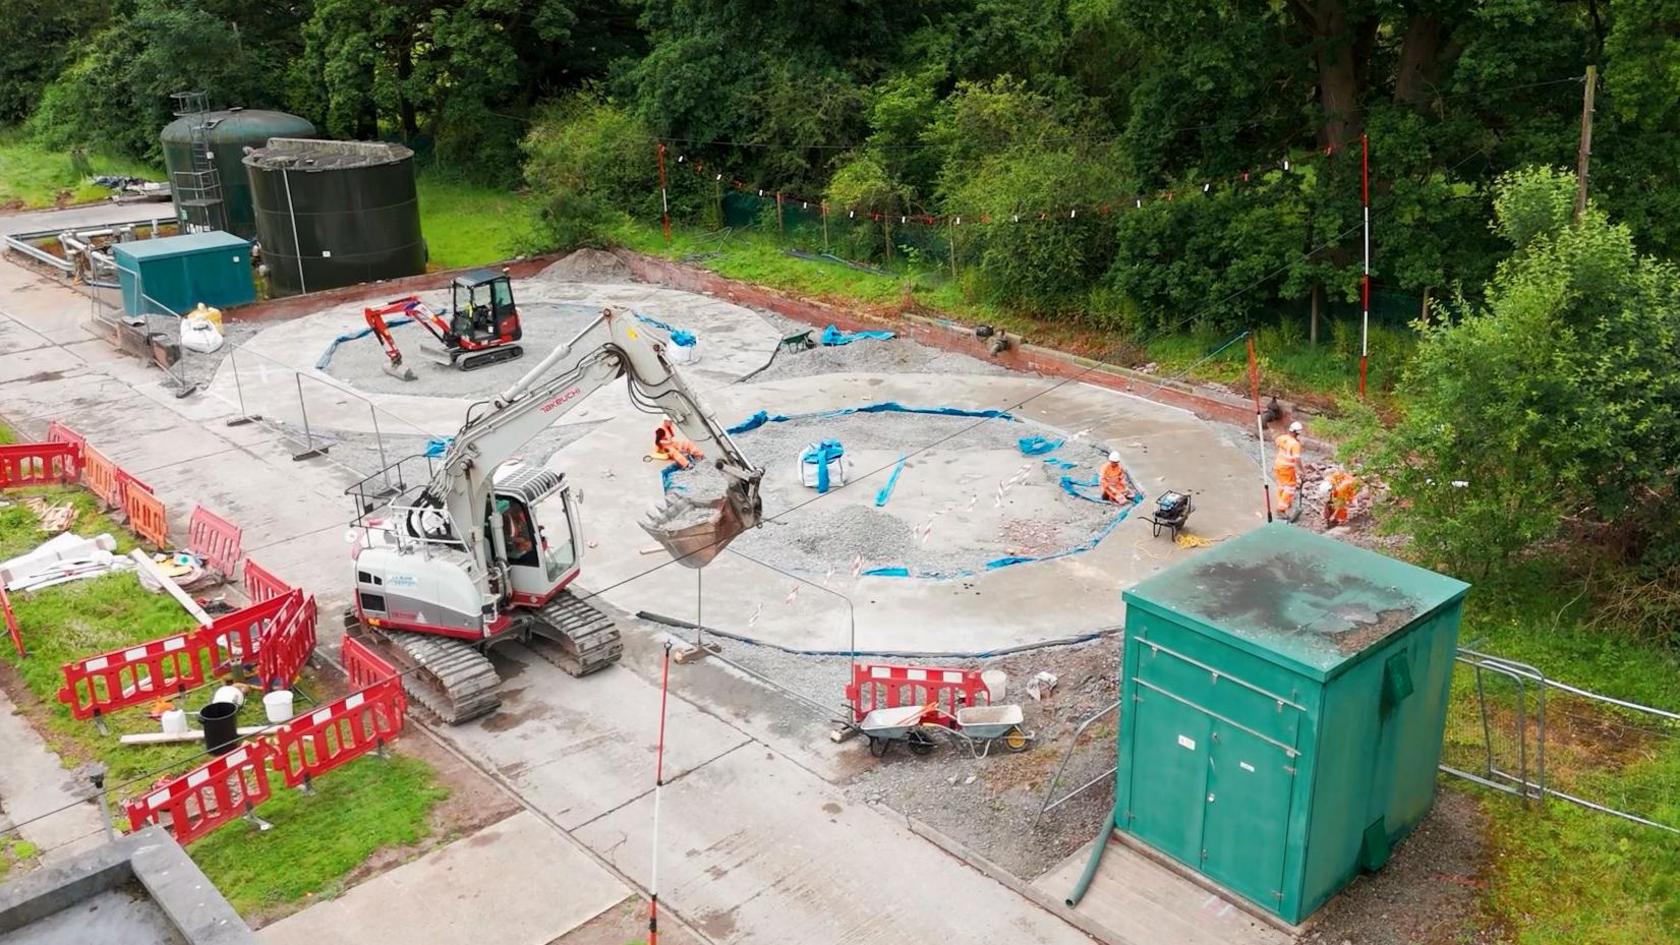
{"x":198,"y":190}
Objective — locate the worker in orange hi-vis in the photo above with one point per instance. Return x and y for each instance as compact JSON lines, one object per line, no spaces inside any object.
{"x":668,"y":445}
{"x":1343,"y":487}
{"x":1287,"y":469}
{"x":1113,"y":481}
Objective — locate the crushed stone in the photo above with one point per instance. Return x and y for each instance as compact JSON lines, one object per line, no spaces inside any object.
{"x":893,"y":356}
{"x":587,"y":265}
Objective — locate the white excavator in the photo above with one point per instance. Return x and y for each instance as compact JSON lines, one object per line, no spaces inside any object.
{"x":459,"y":561}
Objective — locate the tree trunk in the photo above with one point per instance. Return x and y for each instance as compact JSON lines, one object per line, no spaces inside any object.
{"x":1312,"y":332}
{"x":1338,"y":73}
{"x":405,"y":105}
{"x":1419,"y":61}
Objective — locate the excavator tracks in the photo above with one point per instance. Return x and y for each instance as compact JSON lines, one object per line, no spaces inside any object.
{"x":578,"y":638}
{"x":450,"y":678}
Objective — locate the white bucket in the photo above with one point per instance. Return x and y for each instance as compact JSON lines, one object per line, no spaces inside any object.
{"x":232,"y":694}
{"x":174,"y":722}
{"x":277,"y":705}
{"x":997,"y":681}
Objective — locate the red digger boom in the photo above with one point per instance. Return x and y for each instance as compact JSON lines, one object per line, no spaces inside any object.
{"x":481,"y":328}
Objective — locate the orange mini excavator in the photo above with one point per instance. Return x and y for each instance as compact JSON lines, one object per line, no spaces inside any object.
{"x":481,"y":328}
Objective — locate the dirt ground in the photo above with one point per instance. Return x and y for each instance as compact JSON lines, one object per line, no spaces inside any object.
{"x":1427,"y":894}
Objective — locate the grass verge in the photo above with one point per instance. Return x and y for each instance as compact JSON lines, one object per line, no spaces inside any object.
{"x":469,"y":225}
{"x":321,"y":837}
{"x":32,"y":176}
{"x":318,"y":840}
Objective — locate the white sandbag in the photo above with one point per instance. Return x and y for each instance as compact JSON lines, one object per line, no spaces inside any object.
{"x":198,"y":334}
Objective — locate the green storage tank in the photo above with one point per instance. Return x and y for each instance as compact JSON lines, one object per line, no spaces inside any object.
{"x":172,"y":275}
{"x":1285,"y":697}
{"x":222,"y":203}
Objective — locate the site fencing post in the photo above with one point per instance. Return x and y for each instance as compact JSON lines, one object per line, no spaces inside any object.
{"x":379,"y":441}
{"x":310,"y":450}
{"x":244,"y":416}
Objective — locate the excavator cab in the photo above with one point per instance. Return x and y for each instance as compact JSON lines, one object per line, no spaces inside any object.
{"x":482,"y":309}
{"x":538,"y":545}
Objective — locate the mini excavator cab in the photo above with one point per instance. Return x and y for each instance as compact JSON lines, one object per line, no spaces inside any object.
{"x":482,"y":310}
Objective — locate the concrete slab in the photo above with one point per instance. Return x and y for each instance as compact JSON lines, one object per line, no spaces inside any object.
{"x":787,"y":859}
{"x":1164,"y":448}
{"x":578,"y":748}
{"x":734,"y":342}
{"x":34,"y":784}
{"x":38,"y":364}
{"x":44,"y":305}
{"x":84,"y":217}
{"x":15,"y":337}
{"x":1143,"y":903}
{"x":539,"y":888}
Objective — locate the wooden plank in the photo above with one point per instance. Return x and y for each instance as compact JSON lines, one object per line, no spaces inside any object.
{"x":174,"y":590}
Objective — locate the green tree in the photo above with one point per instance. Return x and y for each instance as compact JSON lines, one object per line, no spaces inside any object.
{"x":1554,"y":402}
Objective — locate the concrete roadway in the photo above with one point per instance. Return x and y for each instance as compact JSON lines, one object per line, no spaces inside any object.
{"x":759,"y":847}
{"x":85,"y":217}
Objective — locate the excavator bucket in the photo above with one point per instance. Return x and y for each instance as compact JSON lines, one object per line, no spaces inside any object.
{"x":401,"y":372}
{"x":694,"y":532}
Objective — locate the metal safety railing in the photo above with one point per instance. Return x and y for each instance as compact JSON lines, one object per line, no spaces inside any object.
{"x":1534,"y":737}
{"x":1051,"y":802}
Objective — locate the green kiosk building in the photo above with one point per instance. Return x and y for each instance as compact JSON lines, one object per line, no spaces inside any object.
{"x":1283,"y":697}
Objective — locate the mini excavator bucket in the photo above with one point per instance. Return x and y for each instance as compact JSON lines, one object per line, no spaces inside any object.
{"x":696,"y":531}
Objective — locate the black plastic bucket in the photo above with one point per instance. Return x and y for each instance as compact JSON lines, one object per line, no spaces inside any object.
{"x":220,"y":721}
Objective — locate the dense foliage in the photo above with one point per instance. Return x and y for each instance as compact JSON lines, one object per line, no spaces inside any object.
{"x":992,"y":109}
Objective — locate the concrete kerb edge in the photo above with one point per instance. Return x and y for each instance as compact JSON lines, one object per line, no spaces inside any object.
{"x":1076,"y":640}
{"x":1013,"y":883}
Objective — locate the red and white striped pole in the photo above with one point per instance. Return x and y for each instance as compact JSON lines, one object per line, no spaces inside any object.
{"x":1259,"y":425}
{"x":658,"y":782}
{"x":664,"y":196}
{"x":1365,"y":282}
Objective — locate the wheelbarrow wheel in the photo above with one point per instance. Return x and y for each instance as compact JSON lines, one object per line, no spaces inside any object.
{"x":918,"y":741}
{"x":878,"y":746}
{"x":1016,"y":740}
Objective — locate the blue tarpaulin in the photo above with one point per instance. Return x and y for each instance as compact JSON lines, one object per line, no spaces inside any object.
{"x":1037,"y":445}
{"x":892,"y":480}
{"x":834,"y":337}
{"x":438,"y":445}
{"x":678,"y":336}
{"x":326,"y":356}
{"x":762,"y":417}
{"x":665,"y":478}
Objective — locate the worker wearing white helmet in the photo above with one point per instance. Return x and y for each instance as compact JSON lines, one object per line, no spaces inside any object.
{"x":1287,"y":470}
{"x":1113,"y":481}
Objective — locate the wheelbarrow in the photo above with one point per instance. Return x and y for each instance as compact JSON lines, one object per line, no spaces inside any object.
{"x":975,"y":727}
{"x":905,"y":723}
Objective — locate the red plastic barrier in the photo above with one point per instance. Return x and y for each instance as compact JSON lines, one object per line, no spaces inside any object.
{"x":100,"y":477}
{"x":11,"y":622}
{"x":59,"y":433}
{"x":363,"y":665}
{"x":121,"y":678}
{"x":335,"y":734}
{"x":239,"y":636}
{"x":208,"y":796}
{"x":215,"y":539}
{"x":39,"y":464}
{"x":261,"y":584}
{"x":146,"y":514}
{"x":286,"y":647}
{"x":877,"y":685}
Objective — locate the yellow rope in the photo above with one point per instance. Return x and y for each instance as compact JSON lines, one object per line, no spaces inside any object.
{"x":1187,"y":540}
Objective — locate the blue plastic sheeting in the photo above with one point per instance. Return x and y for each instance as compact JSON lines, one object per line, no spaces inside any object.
{"x":326,"y":356}
{"x":1037,"y":445}
{"x":834,"y":337}
{"x":821,"y":455}
{"x":762,"y":417}
{"x":678,"y":336}
{"x":1058,"y":463}
{"x":887,"y":572}
{"x":882,"y":496}
{"x":665,"y":478}
{"x":438,"y":445}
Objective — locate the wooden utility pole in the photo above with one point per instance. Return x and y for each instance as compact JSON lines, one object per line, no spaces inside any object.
{"x":1584,"y":155}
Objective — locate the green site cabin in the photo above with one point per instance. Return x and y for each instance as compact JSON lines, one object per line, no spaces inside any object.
{"x":1284,"y":699}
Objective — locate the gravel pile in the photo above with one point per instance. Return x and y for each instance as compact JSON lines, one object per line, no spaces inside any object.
{"x":197,"y":367}
{"x":587,"y":265}
{"x":544,"y":325}
{"x":893,"y":356}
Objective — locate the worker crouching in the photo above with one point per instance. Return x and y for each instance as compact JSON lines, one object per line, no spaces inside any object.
{"x":667,"y":444}
{"x":1341,"y":488}
{"x":1115,"y":487}
{"x":1287,"y":470}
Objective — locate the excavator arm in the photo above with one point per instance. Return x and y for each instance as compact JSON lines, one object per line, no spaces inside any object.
{"x":612,"y":346}
{"x":415,"y":311}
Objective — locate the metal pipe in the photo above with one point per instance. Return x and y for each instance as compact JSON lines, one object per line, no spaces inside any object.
{"x":297,"y":246}
{"x":1097,"y":848}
